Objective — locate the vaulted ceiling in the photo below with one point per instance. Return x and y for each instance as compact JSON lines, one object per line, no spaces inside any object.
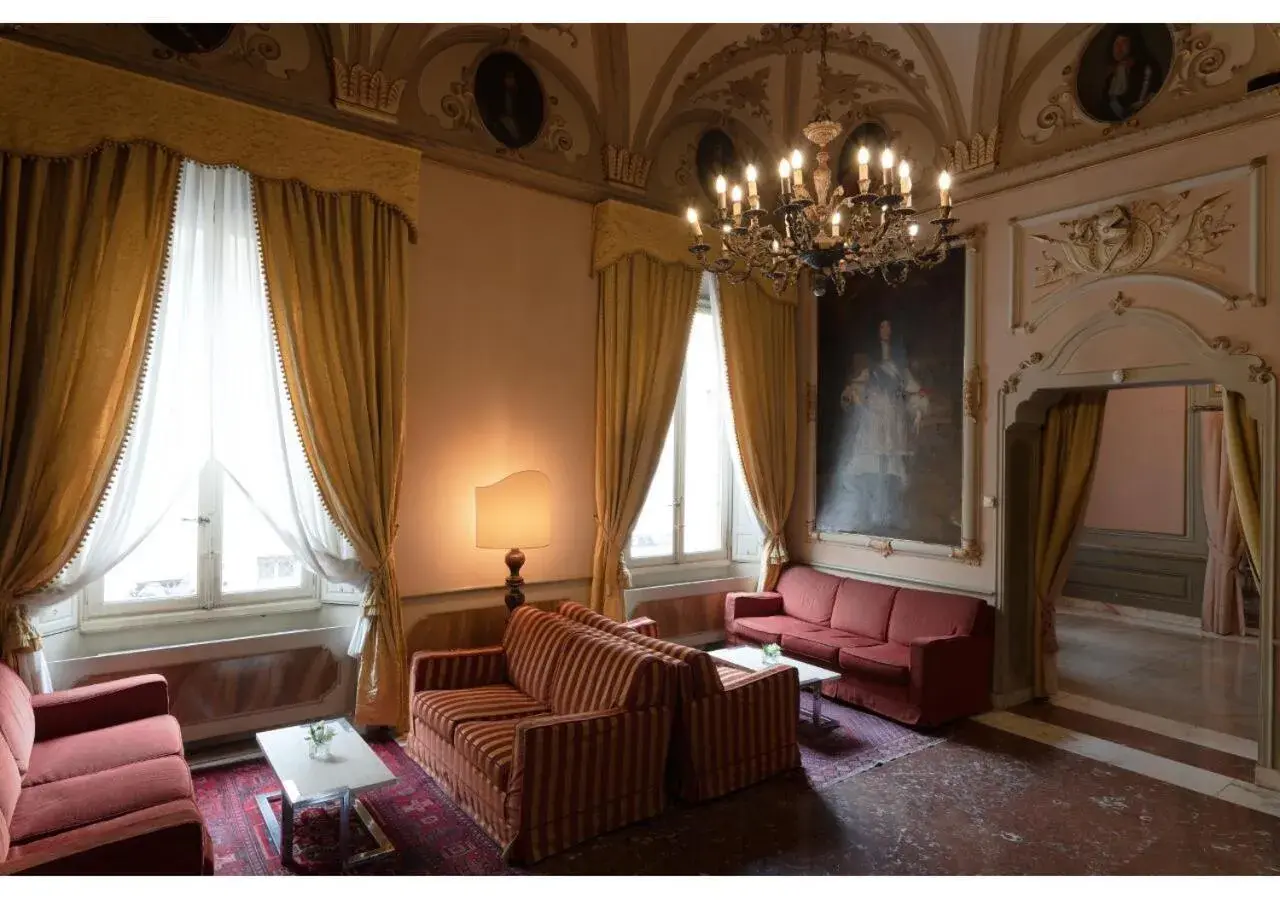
{"x":626,"y":105}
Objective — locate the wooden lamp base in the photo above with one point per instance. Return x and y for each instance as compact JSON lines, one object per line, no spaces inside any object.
{"x":515,"y":594}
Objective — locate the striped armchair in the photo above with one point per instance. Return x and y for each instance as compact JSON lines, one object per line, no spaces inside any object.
{"x":733,"y":728}
{"x":559,"y":734}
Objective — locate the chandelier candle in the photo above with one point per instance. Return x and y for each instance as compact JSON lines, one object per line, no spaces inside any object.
{"x":864,"y":170}
{"x":693,"y":223}
{"x":797,"y":163}
{"x":944,"y":191}
{"x":904,"y":183}
{"x":784,"y":176}
{"x":721,"y":187}
{"x":886,"y":163}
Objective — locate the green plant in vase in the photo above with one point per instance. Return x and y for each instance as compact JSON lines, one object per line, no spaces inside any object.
{"x":772,"y":653}
{"x":319,"y":735}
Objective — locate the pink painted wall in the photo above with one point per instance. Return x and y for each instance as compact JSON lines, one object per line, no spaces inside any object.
{"x":501,"y":376}
{"x":1140,"y":483}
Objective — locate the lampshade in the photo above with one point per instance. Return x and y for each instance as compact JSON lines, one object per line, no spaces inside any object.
{"x":514,"y":512}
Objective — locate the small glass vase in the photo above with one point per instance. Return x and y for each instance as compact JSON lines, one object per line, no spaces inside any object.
{"x":771,"y":654}
{"x":318,"y":750}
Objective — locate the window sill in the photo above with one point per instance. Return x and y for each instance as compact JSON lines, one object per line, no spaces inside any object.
{"x":127,"y":621}
{"x":689,"y":581}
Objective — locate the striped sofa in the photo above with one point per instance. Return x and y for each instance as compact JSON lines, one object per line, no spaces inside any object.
{"x":559,"y":734}
{"x":733,"y":728}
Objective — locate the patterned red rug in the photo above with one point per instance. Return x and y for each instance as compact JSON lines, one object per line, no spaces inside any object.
{"x":434,"y":837}
{"x":431,"y":834}
{"x":861,"y":742}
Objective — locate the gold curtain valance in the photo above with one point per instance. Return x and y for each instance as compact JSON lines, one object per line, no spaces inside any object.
{"x":58,"y":105}
{"x":624,"y":229}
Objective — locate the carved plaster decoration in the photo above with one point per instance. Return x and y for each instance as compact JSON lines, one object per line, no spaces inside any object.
{"x":881,"y":546}
{"x":1197,"y":63}
{"x":1010,"y":385}
{"x":798,"y":39}
{"x":555,"y":133}
{"x":972,"y":394}
{"x":1259,"y":371}
{"x":1060,"y":113}
{"x":969,"y":552}
{"x":1204,"y":235}
{"x":624,"y":168}
{"x":1119,"y":376}
{"x":749,"y":94}
{"x":365,"y":92}
{"x":1119,"y":303}
{"x":849,"y":88}
{"x":563,"y":31}
{"x":975,"y":156}
{"x":1125,"y":238}
{"x":460,"y":103}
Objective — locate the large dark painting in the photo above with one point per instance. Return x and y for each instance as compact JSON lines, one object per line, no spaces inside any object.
{"x":1122,"y":69}
{"x":890,"y":406}
{"x":510,"y":100}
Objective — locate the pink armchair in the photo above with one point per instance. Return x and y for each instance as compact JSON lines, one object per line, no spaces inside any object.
{"x":93,"y":782}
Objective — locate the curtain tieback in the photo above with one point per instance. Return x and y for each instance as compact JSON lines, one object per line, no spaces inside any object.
{"x":1216,"y":550}
{"x":379,"y":582}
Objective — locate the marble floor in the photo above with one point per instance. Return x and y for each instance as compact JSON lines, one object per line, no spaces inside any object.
{"x":985,"y":801}
{"x":1201,"y":681}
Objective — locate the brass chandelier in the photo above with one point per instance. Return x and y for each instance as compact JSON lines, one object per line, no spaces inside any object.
{"x":815,"y":226}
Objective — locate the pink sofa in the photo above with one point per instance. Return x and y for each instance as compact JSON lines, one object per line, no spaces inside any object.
{"x":921,"y":657}
{"x":93,"y":782}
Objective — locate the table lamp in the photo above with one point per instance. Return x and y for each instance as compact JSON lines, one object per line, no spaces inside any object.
{"x":513,"y":513}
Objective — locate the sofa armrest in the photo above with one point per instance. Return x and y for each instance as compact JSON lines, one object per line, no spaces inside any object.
{"x":642,"y":625}
{"x":169,"y":839}
{"x":95,"y":706}
{"x":741,"y":604}
{"x":451,"y":670}
{"x":585,"y":761}
{"x":768,"y":699}
{"x":951,"y":675}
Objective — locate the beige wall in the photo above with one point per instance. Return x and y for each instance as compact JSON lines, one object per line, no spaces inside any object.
{"x":501,"y":376}
{"x":1140,"y":483}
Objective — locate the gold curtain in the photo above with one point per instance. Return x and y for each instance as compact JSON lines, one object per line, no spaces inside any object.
{"x":1068,"y":460}
{"x":82,"y":245}
{"x":336,"y":276}
{"x":760,"y":355}
{"x":646,"y":312}
{"x":1245,"y":459}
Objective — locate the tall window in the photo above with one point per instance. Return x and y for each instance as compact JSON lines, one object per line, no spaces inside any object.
{"x":212,"y":505}
{"x":688,"y":513}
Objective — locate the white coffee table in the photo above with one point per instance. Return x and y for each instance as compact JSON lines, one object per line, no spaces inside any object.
{"x":350,"y":768}
{"x":811,"y":677}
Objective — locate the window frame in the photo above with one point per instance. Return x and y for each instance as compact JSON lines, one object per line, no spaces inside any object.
{"x":678,"y":558}
{"x":208,"y":602}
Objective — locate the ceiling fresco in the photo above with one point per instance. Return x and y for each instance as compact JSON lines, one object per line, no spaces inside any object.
{"x":621,"y":110}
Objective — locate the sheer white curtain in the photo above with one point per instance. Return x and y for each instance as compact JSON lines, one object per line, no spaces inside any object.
{"x":213,"y":390}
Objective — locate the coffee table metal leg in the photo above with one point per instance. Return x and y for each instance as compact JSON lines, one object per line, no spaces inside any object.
{"x":817,"y":704}
{"x":344,"y":831}
{"x":286,"y":829}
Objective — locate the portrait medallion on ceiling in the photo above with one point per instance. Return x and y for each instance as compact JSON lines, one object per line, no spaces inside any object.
{"x":1122,"y":69}
{"x":510,"y":99}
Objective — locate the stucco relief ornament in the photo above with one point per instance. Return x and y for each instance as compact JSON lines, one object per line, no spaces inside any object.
{"x":459,"y":105}
{"x":972,"y":394}
{"x":1126,"y":238}
{"x":1260,"y":371}
{"x":1010,"y":385}
{"x":969,"y":552}
{"x":748,"y":94}
{"x":883,"y":547}
{"x":1060,"y":113}
{"x":1198,"y":62}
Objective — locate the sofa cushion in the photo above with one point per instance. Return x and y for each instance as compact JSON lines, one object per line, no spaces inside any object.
{"x":770,"y":629}
{"x":918,"y":614}
{"x":881,"y":662}
{"x":17,"y":721}
{"x":490,"y":747}
{"x":602,"y":672}
{"x":10,"y":786}
{"x":105,"y":748}
{"x":808,"y":594}
{"x":823,"y":645}
{"x":532,"y":642}
{"x":74,"y":802}
{"x":444,"y":711}
{"x":862,"y":607}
